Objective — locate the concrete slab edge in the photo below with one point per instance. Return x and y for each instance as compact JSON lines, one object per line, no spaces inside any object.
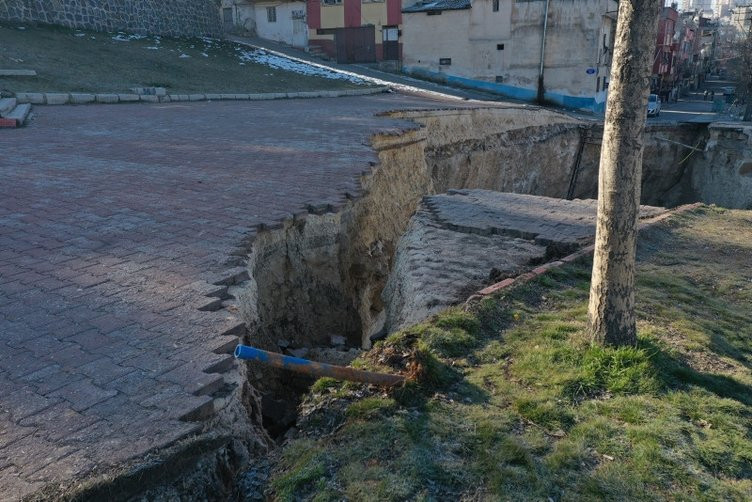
{"x":76,"y":98}
{"x":572,"y":258}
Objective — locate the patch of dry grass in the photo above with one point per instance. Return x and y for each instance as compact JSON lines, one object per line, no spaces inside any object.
{"x":84,"y":61}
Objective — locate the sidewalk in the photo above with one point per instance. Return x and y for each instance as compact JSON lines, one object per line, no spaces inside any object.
{"x":398,"y":82}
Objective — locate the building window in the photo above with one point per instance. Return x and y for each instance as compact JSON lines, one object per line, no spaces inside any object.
{"x":227,"y":15}
{"x":331,"y":2}
{"x":495,"y":4}
{"x":445,"y":61}
{"x":271,"y":14}
{"x":499,"y":47}
{"x":372,"y":1}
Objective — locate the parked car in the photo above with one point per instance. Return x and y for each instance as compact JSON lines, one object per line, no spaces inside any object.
{"x":729,"y":93}
{"x":654,"y":106}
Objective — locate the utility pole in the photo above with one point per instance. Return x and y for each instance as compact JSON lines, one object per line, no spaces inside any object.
{"x":747,"y":66}
{"x":541,"y":85}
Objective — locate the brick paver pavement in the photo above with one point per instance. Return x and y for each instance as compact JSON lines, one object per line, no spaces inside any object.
{"x":114,"y":222}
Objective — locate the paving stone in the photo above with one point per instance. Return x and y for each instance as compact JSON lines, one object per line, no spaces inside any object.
{"x":198,"y":382}
{"x":49,"y":378}
{"x":10,"y":432}
{"x":458,"y":243}
{"x":104,"y":370}
{"x":82,"y":394}
{"x":66,"y":420}
{"x":25,"y":402}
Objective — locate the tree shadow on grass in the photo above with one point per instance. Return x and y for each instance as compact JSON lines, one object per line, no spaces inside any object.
{"x":673,"y":373}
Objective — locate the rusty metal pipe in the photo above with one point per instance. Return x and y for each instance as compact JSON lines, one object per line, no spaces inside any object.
{"x":300,"y":365}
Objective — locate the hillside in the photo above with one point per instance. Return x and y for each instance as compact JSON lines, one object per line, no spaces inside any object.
{"x":69,"y":60}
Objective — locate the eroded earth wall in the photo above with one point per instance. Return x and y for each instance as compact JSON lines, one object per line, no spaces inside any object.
{"x":544,"y":153}
{"x":323,"y":272}
{"x":321,"y":275}
{"x":722,"y":173}
{"x":155,"y":17}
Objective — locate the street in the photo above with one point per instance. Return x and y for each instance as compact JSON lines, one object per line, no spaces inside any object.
{"x":693,"y":108}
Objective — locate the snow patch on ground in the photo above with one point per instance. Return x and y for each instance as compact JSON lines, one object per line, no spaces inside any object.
{"x":124,"y":37}
{"x":282,"y":63}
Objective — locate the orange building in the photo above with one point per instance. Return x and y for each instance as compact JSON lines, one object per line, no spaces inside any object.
{"x":355,"y":31}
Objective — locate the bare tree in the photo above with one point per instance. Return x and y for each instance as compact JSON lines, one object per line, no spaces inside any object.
{"x":611,"y":318}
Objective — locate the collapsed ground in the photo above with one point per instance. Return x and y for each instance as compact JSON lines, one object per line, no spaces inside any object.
{"x":68,"y":60}
{"x":510,"y":401}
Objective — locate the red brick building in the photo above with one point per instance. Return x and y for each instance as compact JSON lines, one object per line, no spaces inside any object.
{"x":667,"y":46}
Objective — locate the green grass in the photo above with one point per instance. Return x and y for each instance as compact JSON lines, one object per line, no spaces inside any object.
{"x":510,"y":400}
{"x":83,"y":61}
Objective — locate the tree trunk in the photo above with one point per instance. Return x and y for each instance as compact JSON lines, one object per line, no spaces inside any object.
{"x":611,"y":317}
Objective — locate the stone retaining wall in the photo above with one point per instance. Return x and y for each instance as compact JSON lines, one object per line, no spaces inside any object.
{"x":77,"y":98}
{"x":153,"y":17}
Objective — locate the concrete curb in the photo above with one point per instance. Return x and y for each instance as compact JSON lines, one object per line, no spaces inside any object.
{"x":62,"y":98}
{"x":574,"y":257}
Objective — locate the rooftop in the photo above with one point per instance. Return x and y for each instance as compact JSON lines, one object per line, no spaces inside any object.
{"x":437,"y":5}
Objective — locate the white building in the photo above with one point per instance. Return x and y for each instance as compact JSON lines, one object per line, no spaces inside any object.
{"x":280,"y":21}
{"x":504,"y":46}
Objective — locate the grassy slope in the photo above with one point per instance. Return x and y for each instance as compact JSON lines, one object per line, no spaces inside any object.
{"x":97,"y":63}
{"x":513,"y":403}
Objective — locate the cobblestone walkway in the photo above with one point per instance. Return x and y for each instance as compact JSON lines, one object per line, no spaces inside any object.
{"x":114,"y":222}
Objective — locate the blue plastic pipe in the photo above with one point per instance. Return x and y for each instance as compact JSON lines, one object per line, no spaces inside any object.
{"x":300,"y":365}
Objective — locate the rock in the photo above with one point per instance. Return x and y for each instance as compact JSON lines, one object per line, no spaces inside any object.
{"x":337,"y":340}
{"x":283,"y":344}
{"x":301,"y":352}
{"x":334,"y":356}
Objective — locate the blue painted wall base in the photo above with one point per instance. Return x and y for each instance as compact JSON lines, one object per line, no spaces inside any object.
{"x":510,"y":91}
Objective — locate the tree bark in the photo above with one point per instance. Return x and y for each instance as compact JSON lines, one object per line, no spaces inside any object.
{"x":611,"y":318}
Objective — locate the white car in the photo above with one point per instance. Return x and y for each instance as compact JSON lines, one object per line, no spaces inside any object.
{"x":654,"y":106}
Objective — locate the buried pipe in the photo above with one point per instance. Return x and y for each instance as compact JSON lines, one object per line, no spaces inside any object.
{"x":300,"y":365}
